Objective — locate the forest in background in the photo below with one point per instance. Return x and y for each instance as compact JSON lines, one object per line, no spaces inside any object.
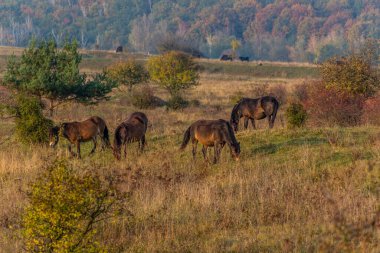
{"x":282,"y":30}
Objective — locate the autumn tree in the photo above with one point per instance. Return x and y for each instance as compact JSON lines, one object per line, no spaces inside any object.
{"x":235,"y":45}
{"x":128,"y":73}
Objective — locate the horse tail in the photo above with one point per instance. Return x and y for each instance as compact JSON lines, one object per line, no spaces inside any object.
{"x":186,"y":139}
{"x":117,"y":137}
{"x":106,"y":136}
{"x":276,"y":105}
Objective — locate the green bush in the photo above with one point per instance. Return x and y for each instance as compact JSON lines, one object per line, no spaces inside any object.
{"x":129,"y":73}
{"x":296,"y":115}
{"x":176,"y":103}
{"x":64,"y":210}
{"x":31,"y":125}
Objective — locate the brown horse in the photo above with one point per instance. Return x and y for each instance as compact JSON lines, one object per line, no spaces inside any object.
{"x":77,"y":132}
{"x":211,"y":133}
{"x":131,"y":130}
{"x":254,"y":109}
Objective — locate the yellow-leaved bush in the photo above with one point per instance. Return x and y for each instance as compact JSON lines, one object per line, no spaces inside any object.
{"x":64,"y":209}
{"x":174,"y":71}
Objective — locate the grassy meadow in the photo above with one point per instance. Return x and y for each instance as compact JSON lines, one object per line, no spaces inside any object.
{"x":302,"y":190}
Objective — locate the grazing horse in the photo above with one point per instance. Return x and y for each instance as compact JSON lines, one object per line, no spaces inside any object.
{"x":77,"y":132}
{"x":226,"y":57}
{"x":244,"y":58}
{"x":119,"y":49}
{"x":211,"y":133}
{"x":254,"y":109}
{"x":131,"y":130}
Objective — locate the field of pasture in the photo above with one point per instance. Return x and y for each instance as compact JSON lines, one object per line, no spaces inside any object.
{"x":302,"y":190}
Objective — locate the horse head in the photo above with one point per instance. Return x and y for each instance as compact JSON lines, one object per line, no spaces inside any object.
{"x":54,"y":136}
{"x":116,"y":152}
{"x":235,"y":151}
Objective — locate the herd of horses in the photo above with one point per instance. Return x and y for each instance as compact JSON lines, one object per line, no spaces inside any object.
{"x":209,"y":133}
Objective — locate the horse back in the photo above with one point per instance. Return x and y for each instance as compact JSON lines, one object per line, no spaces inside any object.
{"x":84,"y":130}
{"x":137,"y":120}
{"x":207,"y":132}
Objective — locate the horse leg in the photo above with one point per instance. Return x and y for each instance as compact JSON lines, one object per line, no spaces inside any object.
{"x":78,"y":149}
{"x":270,"y":121}
{"x":103,"y":143}
{"x":253,"y":123}
{"x":142,"y":143}
{"x":94,"y":148}
{"x":204,"y":152}
{"x":195,"y":144}
{"x":216,"y":153}
{"x":125,"y":149}
{"x":70,"y":151}
{"x":220,"y":147}
{"x":245,"y":123}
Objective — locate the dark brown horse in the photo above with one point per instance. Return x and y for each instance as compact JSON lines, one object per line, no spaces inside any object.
{"x":211,"y":133}
{"x":254,"y":109}
{"x":131,"y":130}
{"x":77,"y":132}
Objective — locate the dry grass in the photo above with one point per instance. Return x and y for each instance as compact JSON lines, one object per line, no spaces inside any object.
{"x":307,"y":190}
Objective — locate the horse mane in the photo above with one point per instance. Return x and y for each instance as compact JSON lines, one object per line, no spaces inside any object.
{"x":231,"y":134}
{"x":235,"y":110}
{"x":139,"y":119}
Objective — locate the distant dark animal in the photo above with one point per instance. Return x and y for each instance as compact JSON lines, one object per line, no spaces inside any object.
{"x":243,"y":58}
{"x":211,"y":133}
{"x":119,"y":49}
{"x":131,"y":130}
{"x":260,"y":64}
{"x":254,"y":109}
{"x":226,"y":58}
{"x":77,"y":132}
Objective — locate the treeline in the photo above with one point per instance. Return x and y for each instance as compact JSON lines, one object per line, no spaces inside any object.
{"x":286,"y":30}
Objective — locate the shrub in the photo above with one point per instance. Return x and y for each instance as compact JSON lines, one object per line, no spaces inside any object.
{"x":328,"y":106}
{"x":128,"y":73}
{"x":31,"y":125}
{"x":296,"y":115}
{"x":174,"y":71}
{"x":279,"y":92}
{"x":299,"y":93}
{"x":259,"y":90}
{"x":371,"y":111}
{"x":177,"y":43}
{"x":176,"y":103}
{"x":64,"y":210}
{"x":143,"y":98}
{"x":353,"y":75}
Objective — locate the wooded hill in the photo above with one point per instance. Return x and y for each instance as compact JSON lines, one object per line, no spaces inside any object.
{"x":285,"y":30}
